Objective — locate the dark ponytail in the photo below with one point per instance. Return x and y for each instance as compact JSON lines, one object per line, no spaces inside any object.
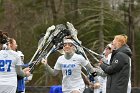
{"x":3,"y":37}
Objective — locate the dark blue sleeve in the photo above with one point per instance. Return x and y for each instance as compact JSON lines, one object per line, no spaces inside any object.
{"x":116,"y":65}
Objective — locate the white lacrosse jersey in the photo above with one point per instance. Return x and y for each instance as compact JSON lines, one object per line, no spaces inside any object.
{"x":103,"y":80}
{"x":71,"y":70}
{"x":8,"y":60}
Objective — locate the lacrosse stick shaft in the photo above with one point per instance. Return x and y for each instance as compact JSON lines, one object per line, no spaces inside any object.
{"x":43,"y":41}
{"x":39,"y":52}
{"x":59,"y":31}
{"x":91,"y":51}
{"x":51,"y":51}
{"x":88,"y":50}
{"x":92,"y":55}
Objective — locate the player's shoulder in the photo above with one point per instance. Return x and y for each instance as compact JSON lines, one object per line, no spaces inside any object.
{"x":78,"y":56}
{"x":14,"y":53}
{"x":61,"y":57}
{"x":8,"y":51}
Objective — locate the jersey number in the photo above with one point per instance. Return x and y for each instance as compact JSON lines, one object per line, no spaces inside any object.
{"x":5,"y":65}
{"x":68,"y":72}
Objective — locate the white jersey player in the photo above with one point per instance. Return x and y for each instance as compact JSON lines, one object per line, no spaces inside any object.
{"x":10,"y":63}
{"x":102,"y":79}
{"x":9,"y":59}
{"x":70,"y":64}
{"x":71,"y":70}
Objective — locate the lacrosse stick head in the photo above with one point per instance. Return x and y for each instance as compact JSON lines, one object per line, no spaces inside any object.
{"x":72,"y":29}
{"x":60,"y":33}
{"x":59,"y":28}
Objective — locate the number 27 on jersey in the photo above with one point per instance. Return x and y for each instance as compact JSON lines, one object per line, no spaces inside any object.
{"x":5,"y":65}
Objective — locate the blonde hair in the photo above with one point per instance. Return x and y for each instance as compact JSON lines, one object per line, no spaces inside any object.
{"x":121,"y":38}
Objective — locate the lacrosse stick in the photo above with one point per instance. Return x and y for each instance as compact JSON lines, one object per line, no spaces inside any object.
{"x":43,"y":42}
{"x":53,"y":49}
{"x":88,"y":50}
{"x":56,"y":39}
{"x":78,"y":42}
{"x":74,"y":37}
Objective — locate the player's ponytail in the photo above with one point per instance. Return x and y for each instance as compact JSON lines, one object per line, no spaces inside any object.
{"x":3,"y":40}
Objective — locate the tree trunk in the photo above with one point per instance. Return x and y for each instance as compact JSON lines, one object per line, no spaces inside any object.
{"x":76,"y":10}
{"x":9,"y":13}
{"x":101,"y":33}
{"x":131,"y":36}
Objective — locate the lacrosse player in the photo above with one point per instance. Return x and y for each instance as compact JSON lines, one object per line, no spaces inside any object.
{"x":10,"y":63}
{"x":70,"y":63}
{"x":20,"y":83}
{"x":102,"y":79}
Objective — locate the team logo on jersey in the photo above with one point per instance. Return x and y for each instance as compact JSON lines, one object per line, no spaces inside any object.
{"x":116,"y":61}
{"x":68,"y":65}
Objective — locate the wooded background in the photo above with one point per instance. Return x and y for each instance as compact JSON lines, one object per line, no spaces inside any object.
{"x":97,"y":21}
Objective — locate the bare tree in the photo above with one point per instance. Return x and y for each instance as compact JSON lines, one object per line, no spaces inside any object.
{"x":131,"y":39}
{"x":10,"y":18}
{"x":101,"y":32}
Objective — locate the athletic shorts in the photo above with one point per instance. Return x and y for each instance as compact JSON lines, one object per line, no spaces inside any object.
{"x":7,"y":89}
